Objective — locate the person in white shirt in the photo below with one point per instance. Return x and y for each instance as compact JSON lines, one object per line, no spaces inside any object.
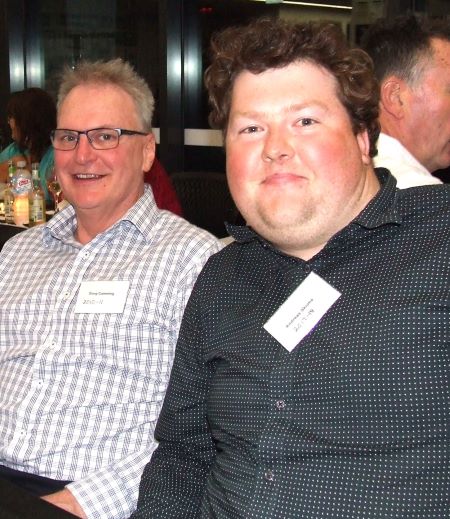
{"x":91,"y":304}
{"x":412,"y":64}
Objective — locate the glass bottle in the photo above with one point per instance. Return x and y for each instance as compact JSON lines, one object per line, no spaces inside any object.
{"x":21,"y":187}
{"x":37,"y":198}
{"x":8,"y":195}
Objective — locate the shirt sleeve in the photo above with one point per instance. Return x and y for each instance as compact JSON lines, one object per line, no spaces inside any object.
{"x":172,"y":484}
{"x":112,"y":491}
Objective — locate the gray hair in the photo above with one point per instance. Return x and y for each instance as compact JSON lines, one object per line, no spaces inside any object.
{"x":114,"y":72}
{"x":402,"y":46}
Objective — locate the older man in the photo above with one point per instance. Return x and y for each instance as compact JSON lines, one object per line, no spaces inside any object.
{"x":90,"y":305}
{"x":311,"y":374}
{"x":412,"y":64}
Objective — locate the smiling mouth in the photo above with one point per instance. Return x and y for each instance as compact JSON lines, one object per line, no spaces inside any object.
{"x":281,"y":178}
{"x":87,"y":176}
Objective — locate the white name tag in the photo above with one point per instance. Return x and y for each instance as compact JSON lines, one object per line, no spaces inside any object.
{"x":102,"y":297}
{"x":301,"y":311}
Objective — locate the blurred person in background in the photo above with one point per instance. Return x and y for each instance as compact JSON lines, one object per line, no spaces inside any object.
{"x":31,"y":118}
{"x":163,"y":190}
{"x":412,"y":64}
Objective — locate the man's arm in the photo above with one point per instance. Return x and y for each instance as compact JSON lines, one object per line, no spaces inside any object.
{"x":111,"y":491}
{"x":173,"y":483}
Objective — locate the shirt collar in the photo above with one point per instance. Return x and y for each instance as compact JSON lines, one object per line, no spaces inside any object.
{"x":381,"y":210}
{"x":143,"y":216}
{"x":392,"y":147}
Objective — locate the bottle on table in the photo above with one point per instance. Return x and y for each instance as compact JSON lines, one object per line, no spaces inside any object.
{"x":21,"y":187}
{"x":8,"y":195}
{"x":37,"y":198}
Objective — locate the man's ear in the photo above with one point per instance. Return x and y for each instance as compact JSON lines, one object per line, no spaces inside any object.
{"x":148,"y":152}
{"x":392,"y":96}
{"x":362,"y":139}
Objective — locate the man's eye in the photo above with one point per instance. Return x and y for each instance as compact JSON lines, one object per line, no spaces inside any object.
{"x":306,"y":121}
{"x":250,"y":129}
{"x":68,"y":137}
{"x":105,"y":137}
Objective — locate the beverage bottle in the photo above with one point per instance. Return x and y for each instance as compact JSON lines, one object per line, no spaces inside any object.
{"x":37,"y":198}
{"x":8,"y":195}
{"x":21,"y":188}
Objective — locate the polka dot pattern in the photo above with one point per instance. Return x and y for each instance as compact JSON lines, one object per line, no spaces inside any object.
{"x":355,"y":421}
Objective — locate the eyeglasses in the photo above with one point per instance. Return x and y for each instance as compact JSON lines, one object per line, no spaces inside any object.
{"x":99,"y":138}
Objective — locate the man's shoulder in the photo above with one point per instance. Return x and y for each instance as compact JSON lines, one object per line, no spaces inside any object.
{"x":425,"y":203}
{"x":25,"y":245}
{"x":231,"y":263}
{"x":174,"y":225}
{"x":172,"y":232}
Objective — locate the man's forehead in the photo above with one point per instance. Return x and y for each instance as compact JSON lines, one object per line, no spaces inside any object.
{"x":313,"y":83}
{"x":301,"y":68}
{"x":105,"y":100}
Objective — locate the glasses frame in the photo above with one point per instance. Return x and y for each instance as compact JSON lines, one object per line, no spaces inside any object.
{"x":120,"y":132}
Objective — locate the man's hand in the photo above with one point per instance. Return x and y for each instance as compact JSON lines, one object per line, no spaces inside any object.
{"x":64,"y":499}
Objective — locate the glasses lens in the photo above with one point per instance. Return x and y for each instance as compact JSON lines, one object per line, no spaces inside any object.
{"x":103,"y":138}
{"x":64,"y":139}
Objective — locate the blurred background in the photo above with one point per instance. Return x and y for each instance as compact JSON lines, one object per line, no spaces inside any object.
{"x":167,"y":42}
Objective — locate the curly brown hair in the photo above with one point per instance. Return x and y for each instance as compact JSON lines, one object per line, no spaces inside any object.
{"x":274,"y":43}
{"x":34,"y":112}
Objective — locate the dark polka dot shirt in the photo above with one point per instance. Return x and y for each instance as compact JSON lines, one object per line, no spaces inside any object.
{"x":355,"y":421}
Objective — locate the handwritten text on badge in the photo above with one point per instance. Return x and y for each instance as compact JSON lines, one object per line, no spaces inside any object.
{"x":102,"y":297}
{"x":301,"y":311}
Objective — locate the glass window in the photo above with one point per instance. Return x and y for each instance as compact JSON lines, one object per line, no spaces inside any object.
{"x":204,"y":17}
{"x":71,"y":31}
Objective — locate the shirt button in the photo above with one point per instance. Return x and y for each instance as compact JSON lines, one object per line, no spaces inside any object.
{"x":307,"y":269}
{"x":281,"y":404}
{"x":269,"y":475}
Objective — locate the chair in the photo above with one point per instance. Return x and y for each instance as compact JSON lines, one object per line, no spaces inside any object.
{"x":206,"y":200}
{"x":8,"y":231}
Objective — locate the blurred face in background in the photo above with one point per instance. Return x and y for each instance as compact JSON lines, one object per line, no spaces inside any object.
{"x":14,"y":128}
{"x":427,"y":111}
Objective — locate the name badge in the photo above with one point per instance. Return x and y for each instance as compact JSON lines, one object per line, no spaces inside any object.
{"x":102,"y":297}
{"x":301,"y":311}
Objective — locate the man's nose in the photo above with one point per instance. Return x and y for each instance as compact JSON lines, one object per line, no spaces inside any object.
{"x":84,"y":152}
{"x":277,"y":146}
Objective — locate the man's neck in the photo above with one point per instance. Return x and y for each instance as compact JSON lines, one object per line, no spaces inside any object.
{"x":90,"y":224}
{"x":402,"y":136}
